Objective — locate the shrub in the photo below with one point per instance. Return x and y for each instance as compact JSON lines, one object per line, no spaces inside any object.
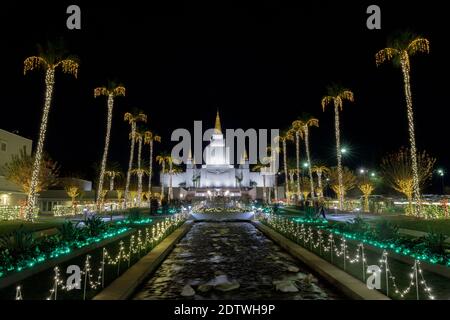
{"x":435,"y":243}
{"x":69,"y":231}
{"x":385,"y":230}
{"x":18,"y":243}
{"x":95,"y":226}
{"x":134,"y":214}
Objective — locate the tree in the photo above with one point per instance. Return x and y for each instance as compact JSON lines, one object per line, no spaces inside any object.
{"x":19,"y":171}
{"x":262,"y":168}
{"x":398,"y":172}
{"x":113,"y":172}
{"x":341,"y":187}
{"x":132,"y":118}
{"x":399,"y":50}
{"x":297,"y":131}
{"x":139,"y":136}
{"x":111,"y":91}
{"x":320,"y":170}
{"x":150,"y":137}
{"x":162,"y":160}
{"x":366,"y":187}
{"x":284,"y":137}
{"x":309,"y":121}
{"x":337,"y":95}
{"x":73,"y":192}
{"x":49,"y":59}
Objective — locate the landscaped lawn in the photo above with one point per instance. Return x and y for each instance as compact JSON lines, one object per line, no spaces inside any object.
{"x":39,"y":224}
{"x":405,"y":222}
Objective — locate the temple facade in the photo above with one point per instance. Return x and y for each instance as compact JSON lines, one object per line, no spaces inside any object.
{"x":218,"y":175}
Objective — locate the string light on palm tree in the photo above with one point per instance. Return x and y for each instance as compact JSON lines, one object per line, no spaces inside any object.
{"x":337,"y":95}
{"x":149,"y":138}
{"x":399,"y":50}
{"x":297,"y":131}
{"x":139,"y":136}
{"x":132,"y":118}
{"x":49,"y":59}
{"x":111,"y":91}
{"x":320,"y":170}
{"x":284,"y":137}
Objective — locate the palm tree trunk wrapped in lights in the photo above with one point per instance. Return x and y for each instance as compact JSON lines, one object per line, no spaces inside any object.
{"x":149,"y":139}
{"x":337,"y":95}
{"x":297,"y":158}
{"x":111,"y":92}
{"x":49,"y":60}
{"x":140,"y":173}
{"x":399,"y":50}
{"x":170,"y":196}
{"x":286,"y":172}
{"x":132,"y":119}
{"x":320,"y":170}
{"x":308,"y":156}
{"x":130,"y":164}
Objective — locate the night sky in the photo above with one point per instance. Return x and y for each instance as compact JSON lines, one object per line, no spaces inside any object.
{"x":262,"y":65}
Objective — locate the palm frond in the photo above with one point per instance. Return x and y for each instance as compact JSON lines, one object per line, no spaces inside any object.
{"x":34,"y":62}
{"x":69,"y":66}
{"x":419,"y":45}
{"x":385,"y":55}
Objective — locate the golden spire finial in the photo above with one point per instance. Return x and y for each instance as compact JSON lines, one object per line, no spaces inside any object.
{"x":218,"y":127}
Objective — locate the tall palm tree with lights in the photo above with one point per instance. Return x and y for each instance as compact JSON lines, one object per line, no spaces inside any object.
{"x":139,"y":136}
{"x":320,"y":170}
{"x":274,"y":153}
{"x":113,"y":172}
{"x":164,"y":159}
{"x":399,"y":50}
{"x":262,"y":168}
{"x":132,"y":118}
{"x":49,"y":59}
{"x":111,"y":91}
{"x":336,"y":95}
{"x":309,"y":121}
{"x":297,"y":131}
{"x":149,"y":138}
{"x":284,"y":137}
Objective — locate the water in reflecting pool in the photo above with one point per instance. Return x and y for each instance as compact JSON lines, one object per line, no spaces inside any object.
{"x":231,"y":260}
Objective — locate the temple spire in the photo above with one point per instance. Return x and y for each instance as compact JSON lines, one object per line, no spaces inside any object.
{"x":218,"y":127}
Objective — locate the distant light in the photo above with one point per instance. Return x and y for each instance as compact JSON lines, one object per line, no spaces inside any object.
{"x":362,"y":170}
{"x":372,"y":174}
{"x":305,"y":164}
{"x":344,"y":150}
{"x":441,"y":172}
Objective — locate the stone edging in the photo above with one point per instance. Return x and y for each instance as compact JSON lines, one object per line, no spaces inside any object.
{"x":124,"y":286}
{"x":345,"y":283}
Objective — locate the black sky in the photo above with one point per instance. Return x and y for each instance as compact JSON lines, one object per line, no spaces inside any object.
{"x":262,"y":65}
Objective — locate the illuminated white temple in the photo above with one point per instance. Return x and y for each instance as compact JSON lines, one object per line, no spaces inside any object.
{"x":218,"y":174}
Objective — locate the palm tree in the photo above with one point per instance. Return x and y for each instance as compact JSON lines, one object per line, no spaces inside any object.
{"x":337,"y":95}
{"x":113,"y":171}
{"x":139,"y":136}
{"x":150,"y":137}
{"x":309,"y":121}
{"x":162,"y":160}
{"x":139,"y":173}
{"x":320,"y":170}
{"x":111,"y":91}
{"x":399,"y":50}
{"x":132,"y":118}
{"x":274,"y":154}
{"x":297,"y":130}
{"x":49,"y":59}
{"x":284,"y":137}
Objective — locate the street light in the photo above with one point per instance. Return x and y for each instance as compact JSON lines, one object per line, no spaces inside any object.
{"x":441,"y":173}
{"x":344,"y":150}
{"x":373,"y":174}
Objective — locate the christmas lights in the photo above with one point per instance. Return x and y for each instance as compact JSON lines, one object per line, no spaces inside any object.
{"x":31,"y":63}
{"x":337,"y":96}
{"x":153,"y":236}
{"x":111,"y":94}
{"x":416,"y":45}
{"x":309,"y":235}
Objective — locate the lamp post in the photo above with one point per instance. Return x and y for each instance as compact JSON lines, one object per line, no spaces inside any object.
{"x":441,"y":173}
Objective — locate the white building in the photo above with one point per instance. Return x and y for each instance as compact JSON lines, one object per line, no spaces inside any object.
{"x":11,"y":144}
{"x":218,"y":175}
